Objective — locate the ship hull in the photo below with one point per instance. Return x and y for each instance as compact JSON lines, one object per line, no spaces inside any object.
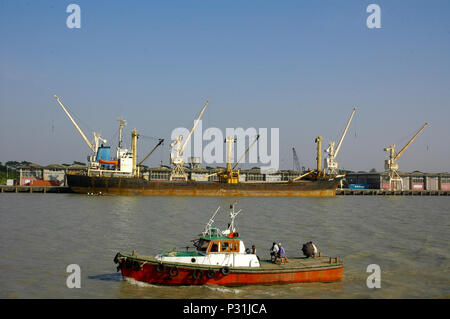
{"x":135,"y":186}
{"x":181,"y":274}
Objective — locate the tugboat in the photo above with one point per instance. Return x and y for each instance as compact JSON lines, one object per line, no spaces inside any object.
{"x":219,"y":257}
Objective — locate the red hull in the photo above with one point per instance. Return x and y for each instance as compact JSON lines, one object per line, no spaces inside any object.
{"x":149,"y":274}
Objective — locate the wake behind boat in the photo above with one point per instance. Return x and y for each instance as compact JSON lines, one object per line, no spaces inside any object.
{"x":220,"y":257}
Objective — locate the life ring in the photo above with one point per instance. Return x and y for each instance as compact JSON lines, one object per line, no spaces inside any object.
{"x":233,"y":235}
{"x":173,"y":272}
{"x":197,"y":274}
{"x":211,"y":273}
{"x":160,"y":268}
{"x":225,"y":270}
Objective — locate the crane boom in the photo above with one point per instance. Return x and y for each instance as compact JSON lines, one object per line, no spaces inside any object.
{"x":157,"y":145}
{"x":92,"y":147}
{"x":295,"y":160}
{"x":193,"y":128}
{"x":345,"y":132}
{"x":409,"y":143}
{"x":301,"y":176}
{"x":246,"y":151}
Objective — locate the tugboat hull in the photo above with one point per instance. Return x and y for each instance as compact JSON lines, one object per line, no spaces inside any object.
{"x":298,"y":270}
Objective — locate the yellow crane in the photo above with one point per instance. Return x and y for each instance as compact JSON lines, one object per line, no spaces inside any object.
{"x":230,"y":175}
{"x":318,"y":170}
{"x":391,"y":165}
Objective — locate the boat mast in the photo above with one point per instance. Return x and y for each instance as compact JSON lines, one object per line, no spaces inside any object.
{"x":122,"y":123}
{"x":319,"y":155}
{"x":134,"y":137}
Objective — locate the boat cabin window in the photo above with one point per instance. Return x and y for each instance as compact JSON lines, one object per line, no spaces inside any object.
{"x":214,"y":247}
{"x":225,"y":246}
{"x":229,"y":246}
{"x":202,"y":245}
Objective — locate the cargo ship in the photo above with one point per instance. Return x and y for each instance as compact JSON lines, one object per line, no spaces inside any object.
{"x":220,"y":258}
{"x":138,"y":186}
{"x":123,"y":174}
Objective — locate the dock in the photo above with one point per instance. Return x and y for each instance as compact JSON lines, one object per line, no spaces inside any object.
{"x":384,"y":192}
{"x":34,"y":189}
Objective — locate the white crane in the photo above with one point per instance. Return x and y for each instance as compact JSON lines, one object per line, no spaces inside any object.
{"x":176,"y":156}
{"x":97,"y":137}
{"x":391,"y":165}
{"x":330,"y":162}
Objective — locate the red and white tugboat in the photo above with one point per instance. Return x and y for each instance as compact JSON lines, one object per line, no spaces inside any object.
{"x":219,"y":257}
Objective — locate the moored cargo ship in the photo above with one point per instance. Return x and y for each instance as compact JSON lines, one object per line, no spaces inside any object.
{"x":139,"y":186}
{"x":122,"y":175}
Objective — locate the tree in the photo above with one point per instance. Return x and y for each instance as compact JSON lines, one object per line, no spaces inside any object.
{"x":13,"y":164}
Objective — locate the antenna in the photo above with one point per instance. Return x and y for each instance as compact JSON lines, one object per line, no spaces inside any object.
{"x":233,"y":215}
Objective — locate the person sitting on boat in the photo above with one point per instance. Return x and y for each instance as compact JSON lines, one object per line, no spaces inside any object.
{"x":253,"y":249}
{"x":282,"y":254}
{"x":247,"y":251}
{"x":274,"y":252}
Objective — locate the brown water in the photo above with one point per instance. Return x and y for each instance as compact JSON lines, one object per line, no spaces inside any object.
{"x":40,"y":234}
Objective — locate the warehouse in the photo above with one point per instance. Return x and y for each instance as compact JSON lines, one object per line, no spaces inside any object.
{"x":415,"y":181}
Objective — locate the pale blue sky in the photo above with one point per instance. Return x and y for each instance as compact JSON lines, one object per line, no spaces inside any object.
{"x":300,"y":66}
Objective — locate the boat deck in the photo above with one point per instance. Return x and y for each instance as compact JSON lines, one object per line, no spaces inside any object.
{"x":266,"y":264}
{"x":301,"y":262}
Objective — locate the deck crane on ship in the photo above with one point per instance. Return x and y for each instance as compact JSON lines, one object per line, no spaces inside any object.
{"x":331,"y":164}
{"x":176,"y":156}
{"x":93,"y":146}
{"x":230,"y":175}
{"x":391,"y":165}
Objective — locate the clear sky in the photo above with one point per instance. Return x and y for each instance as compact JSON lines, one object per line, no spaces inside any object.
{"x":300,"y":66}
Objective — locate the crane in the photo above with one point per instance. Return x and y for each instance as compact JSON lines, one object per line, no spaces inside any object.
{"x":97,"y":137}
{"x":177,"y":159}
{"x":318,"y":171}
{"x":161,"y":140}
{"x":230,"y":175}
{"x":330,"y":162}
{"x":391,"y":165}
{"x":295,"y":161}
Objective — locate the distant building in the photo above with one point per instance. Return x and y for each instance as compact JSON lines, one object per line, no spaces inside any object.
{"x":410,"y":181}
{"x":30,"y":173}
{"x":50,"y":175}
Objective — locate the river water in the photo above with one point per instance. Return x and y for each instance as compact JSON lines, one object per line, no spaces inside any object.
{"x":41,"y":234}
